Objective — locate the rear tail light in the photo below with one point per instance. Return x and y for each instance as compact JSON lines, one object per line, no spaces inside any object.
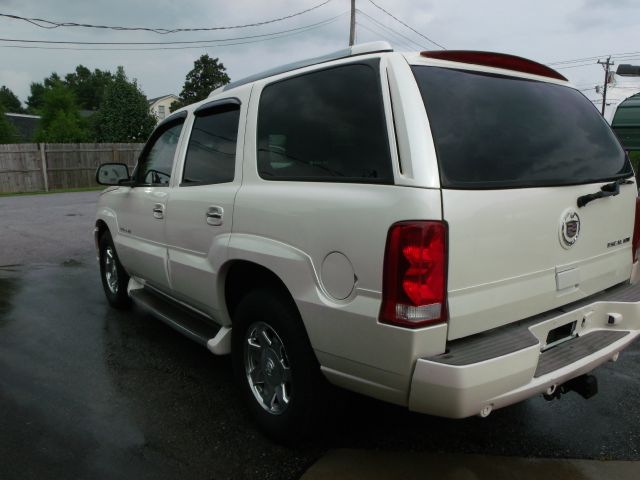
{"x":635,"y":245}
{"x":414,"y":282}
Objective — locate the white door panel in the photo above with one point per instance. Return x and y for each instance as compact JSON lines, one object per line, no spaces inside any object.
{"x":196,"y":246}
{"x":140,"y":239}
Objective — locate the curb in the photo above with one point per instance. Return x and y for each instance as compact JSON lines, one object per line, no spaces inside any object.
{"x":348,"y":464}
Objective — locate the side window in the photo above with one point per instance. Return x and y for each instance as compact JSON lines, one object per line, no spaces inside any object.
{"x":325,"y":126}
{"x":155,"y":165}
{"x":211,"y":154}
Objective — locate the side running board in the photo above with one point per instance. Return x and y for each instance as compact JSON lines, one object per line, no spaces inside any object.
{"x":188,"y":322}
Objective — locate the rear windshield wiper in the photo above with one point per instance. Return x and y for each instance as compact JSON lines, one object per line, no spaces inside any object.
{"x":609,"y":190}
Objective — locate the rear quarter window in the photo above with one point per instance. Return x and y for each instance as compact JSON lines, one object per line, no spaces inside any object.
{"x":327,"y":125}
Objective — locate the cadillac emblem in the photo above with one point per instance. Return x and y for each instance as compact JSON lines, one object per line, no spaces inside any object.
{"x":569,"y":228}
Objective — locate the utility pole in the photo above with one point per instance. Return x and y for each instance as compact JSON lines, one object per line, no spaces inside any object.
{"x":352,"y":30}
{"x":606,"y":66}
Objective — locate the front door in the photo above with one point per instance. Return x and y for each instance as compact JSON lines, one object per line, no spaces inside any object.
{"x":141,"y":208}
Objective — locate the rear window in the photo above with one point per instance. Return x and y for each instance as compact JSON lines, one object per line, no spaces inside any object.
{"x":493,"y":131}
{"x":326,"y":125}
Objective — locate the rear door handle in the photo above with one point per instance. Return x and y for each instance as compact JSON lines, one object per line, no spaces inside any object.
{"x":215,"y":215}
{"x":158,"y":211}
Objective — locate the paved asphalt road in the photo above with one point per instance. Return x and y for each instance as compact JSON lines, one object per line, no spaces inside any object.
{"x":90,"y":392}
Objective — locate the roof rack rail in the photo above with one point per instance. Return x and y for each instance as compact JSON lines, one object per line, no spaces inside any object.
{"x":360,"y":49}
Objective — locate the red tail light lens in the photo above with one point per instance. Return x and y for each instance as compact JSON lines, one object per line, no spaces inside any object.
{"x":635,"y":245}
{"x":414,"y":283}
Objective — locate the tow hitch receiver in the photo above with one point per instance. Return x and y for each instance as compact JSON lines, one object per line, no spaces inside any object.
{"x":585,"y":385}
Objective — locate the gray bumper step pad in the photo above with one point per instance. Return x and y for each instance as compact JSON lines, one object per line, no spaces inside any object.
{"x":568,"y":352}
{"x":516,"y":336}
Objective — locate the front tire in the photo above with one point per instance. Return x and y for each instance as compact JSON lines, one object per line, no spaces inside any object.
{"x":274,"y":366}
{"x":114,"y":277}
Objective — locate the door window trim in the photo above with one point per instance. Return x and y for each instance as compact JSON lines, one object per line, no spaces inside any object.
{"x":170,"y":122}
{"x":205,"y":109}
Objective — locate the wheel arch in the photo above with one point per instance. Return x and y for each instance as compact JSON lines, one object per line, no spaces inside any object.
{"x":244,"y":276}
{"x":100,"y":227}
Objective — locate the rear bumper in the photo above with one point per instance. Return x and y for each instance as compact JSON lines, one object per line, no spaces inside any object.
{"x":504,"y":367}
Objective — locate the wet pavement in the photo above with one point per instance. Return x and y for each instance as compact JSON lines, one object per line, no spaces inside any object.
{"x":90,"y":392}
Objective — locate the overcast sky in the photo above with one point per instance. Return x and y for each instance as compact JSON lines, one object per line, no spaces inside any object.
{"x":543,"y":30}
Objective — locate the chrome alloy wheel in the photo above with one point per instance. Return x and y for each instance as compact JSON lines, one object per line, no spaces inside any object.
{"x":111,"y":270}
{"x":267,"y":368}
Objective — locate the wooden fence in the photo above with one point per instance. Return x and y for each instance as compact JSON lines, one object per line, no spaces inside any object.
{"x":33,"y":167}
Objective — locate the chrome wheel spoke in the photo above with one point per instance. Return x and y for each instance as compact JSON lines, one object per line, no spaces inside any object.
{"x":110,"y":270}
{"x":265,"y":337}
{"x":253,"y":343}
{"x":283,"y":396}
{"x":274,"y":398}
{"x":268,"y":394}
{"x":286,"y":371}
{"x":257,"y":376}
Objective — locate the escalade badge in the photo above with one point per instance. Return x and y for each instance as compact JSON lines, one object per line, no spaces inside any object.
{"x":569,"y":228}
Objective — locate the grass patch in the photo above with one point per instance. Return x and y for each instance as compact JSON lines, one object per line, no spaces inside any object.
{"x":62,"y":190}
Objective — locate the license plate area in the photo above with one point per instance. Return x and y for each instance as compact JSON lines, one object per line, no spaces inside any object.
{"x":560,"y":335}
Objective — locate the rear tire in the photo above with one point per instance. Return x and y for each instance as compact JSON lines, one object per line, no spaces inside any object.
{"x":115,"y":279}
{"x":274,"y":366}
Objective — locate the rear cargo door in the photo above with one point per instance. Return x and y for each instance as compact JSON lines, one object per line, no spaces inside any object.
{"x":517,"y":157}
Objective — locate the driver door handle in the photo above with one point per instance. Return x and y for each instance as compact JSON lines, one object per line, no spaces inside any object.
{"x":158,"y":211}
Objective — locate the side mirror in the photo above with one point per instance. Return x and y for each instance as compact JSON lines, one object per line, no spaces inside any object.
{"x":112,"y":174}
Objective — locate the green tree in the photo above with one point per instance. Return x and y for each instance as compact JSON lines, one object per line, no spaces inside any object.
{"x":35,"y":101}
{"x":8,"y":133}
{"x":124,"y":114}
{"x":61,"y":122}
{"x":205,"y":76}
{"x":10,"y":101}
{"x":88,"y":87}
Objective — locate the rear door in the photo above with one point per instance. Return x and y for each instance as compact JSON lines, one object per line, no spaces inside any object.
{"x":515,"y":157}
{"x":200,"y":211}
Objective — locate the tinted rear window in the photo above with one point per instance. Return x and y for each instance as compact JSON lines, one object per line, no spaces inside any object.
{"x":492,"y":131}
{"x":327,"y":125}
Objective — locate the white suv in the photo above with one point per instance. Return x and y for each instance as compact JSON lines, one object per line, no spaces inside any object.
{"x":449,"y":231}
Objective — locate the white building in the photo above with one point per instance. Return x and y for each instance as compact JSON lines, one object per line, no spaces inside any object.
{"x":159,"y":106}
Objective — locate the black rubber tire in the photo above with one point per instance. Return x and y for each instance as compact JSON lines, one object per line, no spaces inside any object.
{"x":119,"y":299}
{"x":308,"y":387}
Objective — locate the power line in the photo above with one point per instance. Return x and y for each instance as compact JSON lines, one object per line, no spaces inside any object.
{"x":378,"y":33}
{"x":67,"y":42}
{"x":577,"y":60}
{"x":51,"y":24}
{"x":205,"y":45}
{"x":576,"y":66}
{"x":586,"y":64}
{"x":390,"y":29}
{"x":381,"y":34}
{"x":403,"y":23}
